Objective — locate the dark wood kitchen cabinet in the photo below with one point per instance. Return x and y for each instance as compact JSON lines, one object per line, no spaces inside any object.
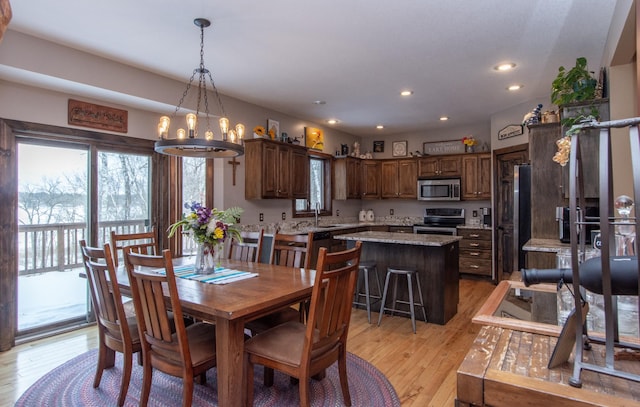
{"x":440,"y":166}
{"x":399,"y":179}
{"x":475,"y":251}
{"x":476,"y":176}
{"x":371,"y":171}
{"x":275,"y":170}
{"x":346,"y":178}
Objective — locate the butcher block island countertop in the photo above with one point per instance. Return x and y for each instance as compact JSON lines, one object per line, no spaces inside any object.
{"x":434,"y":256}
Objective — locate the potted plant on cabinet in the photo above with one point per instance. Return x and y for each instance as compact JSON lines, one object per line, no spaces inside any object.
{"x":575,"y":86}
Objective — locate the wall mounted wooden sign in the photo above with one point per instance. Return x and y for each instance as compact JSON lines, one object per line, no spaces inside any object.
{"x":97,"y":117}
{"x":511,"y":130}
{"x":443,"y":147}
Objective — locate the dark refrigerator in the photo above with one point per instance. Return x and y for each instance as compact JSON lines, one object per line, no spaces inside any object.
{"x":521,"y":213}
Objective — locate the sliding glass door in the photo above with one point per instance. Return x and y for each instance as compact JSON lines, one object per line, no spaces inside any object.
{"x":52,"y":214}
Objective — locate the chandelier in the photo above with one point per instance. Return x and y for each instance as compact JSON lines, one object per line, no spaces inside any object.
{"x":198,"y":138}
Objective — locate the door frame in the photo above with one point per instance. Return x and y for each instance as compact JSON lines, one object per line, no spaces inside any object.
{"x":9,"y":131}
{"x":497,"y":241}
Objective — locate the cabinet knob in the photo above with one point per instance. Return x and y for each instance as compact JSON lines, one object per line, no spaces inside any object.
{"x":474,"y":244}
{"x":474,"y":254}
{"x":474,"y":266}
{"x":474,"y":235}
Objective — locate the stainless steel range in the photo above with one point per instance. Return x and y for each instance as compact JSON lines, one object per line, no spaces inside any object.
{"x":440,"y":221}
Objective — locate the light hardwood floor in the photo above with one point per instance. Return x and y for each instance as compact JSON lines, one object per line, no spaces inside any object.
{"x":422,"y":367}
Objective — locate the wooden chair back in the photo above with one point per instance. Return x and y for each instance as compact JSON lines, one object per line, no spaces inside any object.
{"x":166,"y":351}
{"x":249,"y":248}
{"x":145,"y":240}
{"x":330,"y":306}
{"x":116,"y":331}
{"x":291,"y":250}
{"x":106,"y":297}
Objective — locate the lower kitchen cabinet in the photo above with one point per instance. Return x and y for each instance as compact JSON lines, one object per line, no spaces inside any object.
{"x":475,"y":251}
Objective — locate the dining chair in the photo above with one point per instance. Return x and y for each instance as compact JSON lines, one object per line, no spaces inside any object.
{"x":248,"y":248}
{"x":187,"y":353}
{"x":116,"y":331}
{"x":303,"y":351}
{"x":145,"y":241}
{"x":290,"y":251}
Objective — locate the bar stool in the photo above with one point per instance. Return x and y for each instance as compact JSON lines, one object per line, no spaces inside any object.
{"x":364,"y":268}
{"x":397,"y":272}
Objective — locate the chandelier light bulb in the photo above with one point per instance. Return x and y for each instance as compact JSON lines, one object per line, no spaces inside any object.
{"x":224,"y":127}
{"x":192,"y":120}
{"x":208,"y":135}
{"x":181,"y":134}
{"x":163,"y":126}
{"x":240,"y":131}
{"x":232,"y":135}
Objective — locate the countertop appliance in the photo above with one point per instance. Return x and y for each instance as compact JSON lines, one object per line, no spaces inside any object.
{"x":440,"y":221}
{"x":485,"y":217}
{"x":441,"y":189}
{"x":590,"y":214}
{"x":521,"y":213}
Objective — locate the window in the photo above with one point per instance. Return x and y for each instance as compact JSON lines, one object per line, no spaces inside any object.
{"x":319,"y":188}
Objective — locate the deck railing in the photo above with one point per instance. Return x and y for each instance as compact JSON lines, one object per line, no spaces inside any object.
{"x":55,"y":247}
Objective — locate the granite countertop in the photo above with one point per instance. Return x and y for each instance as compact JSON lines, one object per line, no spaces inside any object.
{"x":545,"y":245}
{"x":478,"y":227}
{"x":401,"y":238}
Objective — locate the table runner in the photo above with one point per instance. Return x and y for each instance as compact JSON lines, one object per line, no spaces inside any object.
{"x":221,"y":275}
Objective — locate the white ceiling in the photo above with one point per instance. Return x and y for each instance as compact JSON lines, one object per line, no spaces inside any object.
{"x":354,"y":54}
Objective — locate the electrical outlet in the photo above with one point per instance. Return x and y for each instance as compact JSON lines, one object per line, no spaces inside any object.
{"x":391,"y":212}
{"x":337,"y":212}
{"x":261,"y":217}
{"x":475,"y":214}
{"x":284,"y":216}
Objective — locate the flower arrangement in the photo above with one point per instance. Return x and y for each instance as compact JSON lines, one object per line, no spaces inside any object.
{"x":206,"y":225}
{"x":564,"y":148}
{"x":259,"y":130}
{"x":469,"y":141}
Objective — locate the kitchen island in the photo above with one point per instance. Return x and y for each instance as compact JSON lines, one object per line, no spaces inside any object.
{"x":434,"y":256}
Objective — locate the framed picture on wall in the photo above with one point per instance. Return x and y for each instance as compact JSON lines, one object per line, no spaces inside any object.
{"x":399,"y":148}
{"x":378,"y":146}
{"x":273,"y":129}
{"x":314,"y":138}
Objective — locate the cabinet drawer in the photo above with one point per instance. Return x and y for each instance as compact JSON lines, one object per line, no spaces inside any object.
{"x":475,"y":234}
{"x":475,"y":254}
{"x":475,"y":244}
{"x":475,"y":266}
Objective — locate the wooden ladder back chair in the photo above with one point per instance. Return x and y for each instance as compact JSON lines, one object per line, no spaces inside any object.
{"x":249,"y":249}
{"x":303,"y":351}
{"x":291,"y":250}
{"x":116,"y":331}
{"x":143,"y":240}
{"x":187,"y":353}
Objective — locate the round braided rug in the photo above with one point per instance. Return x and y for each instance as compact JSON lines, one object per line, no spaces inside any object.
{"x":71,"y":384}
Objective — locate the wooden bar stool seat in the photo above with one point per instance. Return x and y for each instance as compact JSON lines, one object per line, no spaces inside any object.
{"x":411,"y":274}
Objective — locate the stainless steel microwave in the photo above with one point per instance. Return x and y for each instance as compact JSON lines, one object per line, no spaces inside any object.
{"x":443,"y":189}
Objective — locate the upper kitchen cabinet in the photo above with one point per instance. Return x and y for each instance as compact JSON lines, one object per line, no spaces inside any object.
{"x":371,"y":170}
{"x":399,"y":179}
{"x":440,"y":166}
{"x":476,"y":176}
{"x":346,"y":178}
{"x":275,"y":170}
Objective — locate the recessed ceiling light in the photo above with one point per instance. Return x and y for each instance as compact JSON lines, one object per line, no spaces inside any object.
{"x":505,"y":67}
{"x":319,"y":102}
{"x":406,"y":93}
{"x":379,"y":127}
{"x":515,"y":87}
{"x":444,"y":118}
{"x":332,"y":121}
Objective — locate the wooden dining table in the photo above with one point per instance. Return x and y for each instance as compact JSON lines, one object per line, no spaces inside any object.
{"x":231,"y":305}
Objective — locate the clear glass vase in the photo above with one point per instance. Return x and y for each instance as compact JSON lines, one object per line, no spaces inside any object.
{"x":207,"y":258}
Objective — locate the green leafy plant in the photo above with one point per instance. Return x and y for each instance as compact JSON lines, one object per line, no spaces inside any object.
{"x":573,"y":86}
